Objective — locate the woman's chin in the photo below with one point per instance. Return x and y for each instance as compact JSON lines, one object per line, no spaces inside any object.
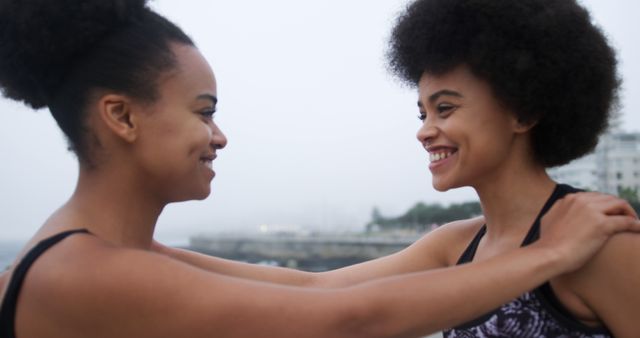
{"x":199,"y":195}
{"x":203,"y":194}
{"x":442,"y":185}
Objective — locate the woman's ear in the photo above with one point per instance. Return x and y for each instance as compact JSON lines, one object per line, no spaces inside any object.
{"x":117,"y":114}
{"x":520,"y":126}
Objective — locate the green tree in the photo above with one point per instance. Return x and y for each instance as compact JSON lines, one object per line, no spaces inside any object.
{"x":631,"y":195}
{"x":421,"y":216}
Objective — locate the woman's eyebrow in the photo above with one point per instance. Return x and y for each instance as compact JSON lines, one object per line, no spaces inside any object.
{"x":208,"y":97}
{"x":445,"y":92}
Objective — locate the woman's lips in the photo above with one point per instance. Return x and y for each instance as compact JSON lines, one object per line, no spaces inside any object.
{"x":207,"y":161}
{"x":440,"y":156}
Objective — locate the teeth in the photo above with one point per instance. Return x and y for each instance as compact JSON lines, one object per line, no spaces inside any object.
{"x":435,"y":157}
{"x":207,"y":163}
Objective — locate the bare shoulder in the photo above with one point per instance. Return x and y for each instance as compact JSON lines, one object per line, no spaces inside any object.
{"x":615,"y":262}
{"x":434,"y":250}
{"x":608,"y":284}
{"x":84,"y":287}
{"x":452,"y":238}
{"x":463,"y":229}
{"x":619,"y":255}
{"x":87,"y":288}
{"x":82,"y":263}
{"x":84,"y":282}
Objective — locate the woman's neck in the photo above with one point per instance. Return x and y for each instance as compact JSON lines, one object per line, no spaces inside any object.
{"x":512,"y":198}
{"x":113,"y":207}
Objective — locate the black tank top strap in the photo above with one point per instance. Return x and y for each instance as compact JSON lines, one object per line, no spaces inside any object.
{"x":559,"y":192}
{"x":470,"y":252}
{"x":534,"y":232}
{"x":10,"y":302}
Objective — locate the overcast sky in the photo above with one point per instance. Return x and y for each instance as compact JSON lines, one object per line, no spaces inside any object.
{"x":319,"y":133}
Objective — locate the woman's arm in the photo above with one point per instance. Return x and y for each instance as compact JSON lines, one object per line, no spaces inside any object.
{"x":271,"y":274}
{"x":140,"y":294}
{"x":427,"y":253}
{"x":610,"y":284}
{"x":153,"y":296}
{"x":424,"y":254}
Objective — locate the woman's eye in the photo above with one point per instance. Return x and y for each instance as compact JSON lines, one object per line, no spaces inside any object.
{"x":445,"y":108}
{"x":208,"y":113}
{"x":422,"y":116}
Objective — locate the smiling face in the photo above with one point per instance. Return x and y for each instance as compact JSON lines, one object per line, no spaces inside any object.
{"x":178,"y":137}
{"x":469,"y":135}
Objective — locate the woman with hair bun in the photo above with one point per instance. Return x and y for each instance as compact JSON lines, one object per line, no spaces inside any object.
{"x":136,"y":99}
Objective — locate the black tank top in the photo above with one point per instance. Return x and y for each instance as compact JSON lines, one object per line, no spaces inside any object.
{"x":10,"y":302}
{"x":535,"y":314}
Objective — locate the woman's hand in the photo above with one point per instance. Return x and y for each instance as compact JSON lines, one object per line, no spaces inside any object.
{"x":578,"y":225}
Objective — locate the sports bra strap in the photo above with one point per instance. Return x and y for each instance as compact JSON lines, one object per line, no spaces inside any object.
{"x":10,"y":302}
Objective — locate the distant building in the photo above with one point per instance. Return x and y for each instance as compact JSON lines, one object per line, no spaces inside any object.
{"x":615,"y":164}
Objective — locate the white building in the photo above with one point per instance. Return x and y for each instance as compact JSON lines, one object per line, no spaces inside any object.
{"x":615,"y":164}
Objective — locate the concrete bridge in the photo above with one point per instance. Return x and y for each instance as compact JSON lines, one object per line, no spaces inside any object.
{"x":311,"y":252}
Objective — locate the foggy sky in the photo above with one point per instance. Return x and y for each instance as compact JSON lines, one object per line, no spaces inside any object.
{"x":319,"y":133}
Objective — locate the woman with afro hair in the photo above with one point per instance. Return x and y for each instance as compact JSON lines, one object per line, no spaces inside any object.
{"x":136,"y":99}
{"x":506,"y":90}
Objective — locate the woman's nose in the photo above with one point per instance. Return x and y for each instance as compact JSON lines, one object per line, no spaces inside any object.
{"x":427,"y":133}
{"x":218,"y":139}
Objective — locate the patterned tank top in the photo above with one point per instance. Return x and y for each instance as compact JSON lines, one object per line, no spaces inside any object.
{"x":535,"y":314}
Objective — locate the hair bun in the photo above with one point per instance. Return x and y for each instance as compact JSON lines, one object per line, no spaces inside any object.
{"x":40,"y":40}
